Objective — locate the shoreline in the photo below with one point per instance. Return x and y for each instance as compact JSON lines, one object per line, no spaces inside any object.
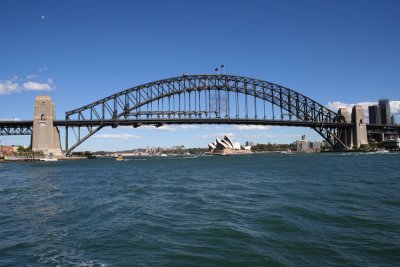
{"x":38,"y":160}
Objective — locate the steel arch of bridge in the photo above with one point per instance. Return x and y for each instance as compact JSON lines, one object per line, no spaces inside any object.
{"x":214,"y":99}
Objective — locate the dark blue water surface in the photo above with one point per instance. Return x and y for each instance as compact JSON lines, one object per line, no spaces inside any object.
{"x":254,"y":210}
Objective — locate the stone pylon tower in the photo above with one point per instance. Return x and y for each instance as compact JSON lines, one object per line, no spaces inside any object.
{"x":346,"y":135}
{"x":360,"y":126}
{"x":45,"y":136}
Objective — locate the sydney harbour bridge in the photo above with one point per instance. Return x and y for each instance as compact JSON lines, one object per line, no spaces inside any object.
{"x":202,"y":99}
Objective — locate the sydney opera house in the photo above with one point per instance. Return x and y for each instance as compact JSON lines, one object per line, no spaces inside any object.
{"x":225,"y":146}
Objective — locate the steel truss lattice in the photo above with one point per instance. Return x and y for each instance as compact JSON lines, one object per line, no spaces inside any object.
{"x":216,"y":98}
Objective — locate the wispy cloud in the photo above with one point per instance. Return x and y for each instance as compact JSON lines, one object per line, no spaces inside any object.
{"x":117,"y":136}
{"x":161,"y":128}
{"x":30,"y":83}
{"x":42,"y":69}
{"x":188,"y":126}
{"x":248,"y":136}
{"x":170,"y":128}
{"x":10,"y":119}
{"x":9,"y":87}
{"x":251,"y":127}
{"x":214,"y":136}
{"x":32,"y":76}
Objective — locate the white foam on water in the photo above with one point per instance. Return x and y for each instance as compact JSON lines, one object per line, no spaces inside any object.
{"x":55,"y":257}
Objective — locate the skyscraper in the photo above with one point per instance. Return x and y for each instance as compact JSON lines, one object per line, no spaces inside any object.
{"x":393,"y":120}
{"x":374,"y":114}
{"x":385,"y":111}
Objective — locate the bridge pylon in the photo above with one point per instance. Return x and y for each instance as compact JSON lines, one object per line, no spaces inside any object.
{"x":45,"y":136}
{"x":356,"y":135}
{"x":360,"y":127}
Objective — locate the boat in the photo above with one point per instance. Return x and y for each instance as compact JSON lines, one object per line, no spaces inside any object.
{"x":49,"y":159}
{"x":119,"y":158}
{"x":287,"y":152}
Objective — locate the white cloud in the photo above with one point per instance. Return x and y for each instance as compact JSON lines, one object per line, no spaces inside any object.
{"x":251,"y":127}
{"x":334,"y":106}
{"x":42,"y":69}
{"x":117,"y":136}
{"x":9,"y":87}
{"x":10,"y":119}
{"x":227,"y":134}
{"x":395,"y":107}
{"x":272,"y":136}
{"x":202,"y":136}
{"x":171,"y":128}
{"x":161,"y":128}
{"x":214,"y":136}
{"x":14,"y":85}
{"x":188,"y":126}
{"x":34,"y":86}
{"x":31,"y":77}
{"x":248,"y":136}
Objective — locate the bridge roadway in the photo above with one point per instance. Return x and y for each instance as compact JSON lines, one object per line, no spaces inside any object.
{"x":156,"y":122}
{"x":25,"y":127}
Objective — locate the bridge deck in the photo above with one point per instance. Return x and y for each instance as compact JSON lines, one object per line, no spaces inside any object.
{"x":161,"y":121}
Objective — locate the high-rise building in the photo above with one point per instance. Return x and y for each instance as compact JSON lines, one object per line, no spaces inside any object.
{"x":303,"y":145}
{"x":374,"y":114}
{"x":316,"y":145}
{"x":385,"y":111}
{"x":393,"y":120}
{"x":249,"y":143}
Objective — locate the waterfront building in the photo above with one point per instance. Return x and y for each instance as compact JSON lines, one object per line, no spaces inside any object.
{"x":325,"y":143}
{"x":393,"y":120}
{"x":305,"y":145}
{"x":302,"y":145}
{"x":249,"y":143}
{"x":7,"y":150}
{"x":316,"y":145}
{"x":374,"y":113}
{"x":181,"y":147}
{"x":392,"y":144}
{"x":385,"y":111}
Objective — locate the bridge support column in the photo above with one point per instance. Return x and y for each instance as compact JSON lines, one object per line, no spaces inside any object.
{"x":360,"y":126}
{"x":45,"y":136}
{"x":346,"y":135}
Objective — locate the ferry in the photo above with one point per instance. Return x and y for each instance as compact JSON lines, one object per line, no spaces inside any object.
{"x":119,"y":158}
{"x":287,"y":152}
{"x":49,"y":159}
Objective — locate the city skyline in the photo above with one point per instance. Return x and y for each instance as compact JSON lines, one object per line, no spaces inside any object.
{"x":83,"y":52}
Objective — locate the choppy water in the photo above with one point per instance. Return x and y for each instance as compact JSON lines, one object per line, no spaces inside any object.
{"x":263,"y":210}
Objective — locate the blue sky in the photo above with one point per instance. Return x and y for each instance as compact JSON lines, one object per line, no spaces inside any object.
{"x":81,"y":51}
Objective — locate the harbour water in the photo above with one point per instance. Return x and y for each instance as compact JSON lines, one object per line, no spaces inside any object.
{"x":249,"y":210}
